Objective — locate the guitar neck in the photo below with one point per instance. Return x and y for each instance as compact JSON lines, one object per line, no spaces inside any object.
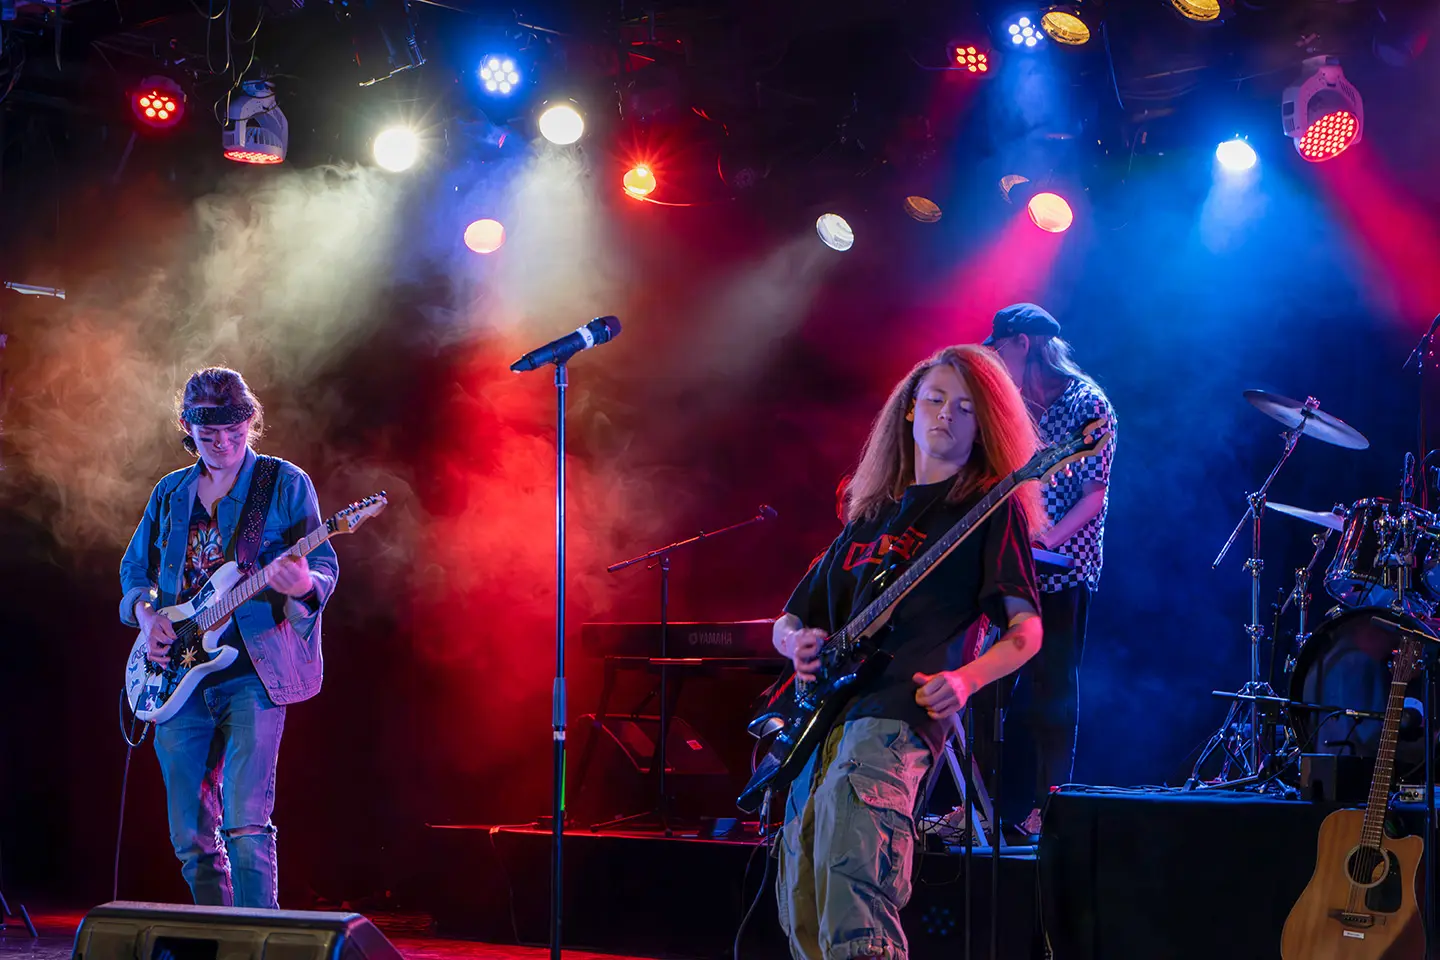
{"x":917,"y":570}
{"x":1379,"y":800}
{"x":253,"y":584}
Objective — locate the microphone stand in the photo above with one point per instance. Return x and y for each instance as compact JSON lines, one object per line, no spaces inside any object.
{"x":557,"y":695}
{"x":558,"y":352}
{"x":661,"y":556}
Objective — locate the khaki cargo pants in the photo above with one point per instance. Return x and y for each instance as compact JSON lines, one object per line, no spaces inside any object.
{"x":848,"y":844}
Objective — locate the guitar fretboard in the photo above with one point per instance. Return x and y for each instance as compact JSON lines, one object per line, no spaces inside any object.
{"x":1379,"y":802}
{"x":253,"y":584}
{"x":912,"y":575}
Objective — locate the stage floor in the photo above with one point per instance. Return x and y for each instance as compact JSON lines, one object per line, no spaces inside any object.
{"x":57,"y":935}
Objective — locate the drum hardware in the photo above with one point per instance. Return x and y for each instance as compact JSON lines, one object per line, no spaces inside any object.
{"x":1300,"y":596}
{"x":1242,"y":741}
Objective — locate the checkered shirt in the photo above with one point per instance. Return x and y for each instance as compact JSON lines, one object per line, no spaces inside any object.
{"x":1076,"y":406}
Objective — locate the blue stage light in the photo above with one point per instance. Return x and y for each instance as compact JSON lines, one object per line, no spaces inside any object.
{"x":499,"y":74}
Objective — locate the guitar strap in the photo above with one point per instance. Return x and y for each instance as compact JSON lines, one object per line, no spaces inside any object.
{"x":257,"y":504}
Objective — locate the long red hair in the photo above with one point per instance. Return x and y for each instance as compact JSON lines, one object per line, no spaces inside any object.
{"x":1005,"y":440}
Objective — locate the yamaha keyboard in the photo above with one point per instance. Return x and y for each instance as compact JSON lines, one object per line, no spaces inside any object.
{"x":741,"y":640}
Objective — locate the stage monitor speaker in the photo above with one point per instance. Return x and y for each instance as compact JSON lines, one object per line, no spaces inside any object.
{"x":133,"y":930}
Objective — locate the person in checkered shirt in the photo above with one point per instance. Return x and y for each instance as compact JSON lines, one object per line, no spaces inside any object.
{"x":1062,"y":398}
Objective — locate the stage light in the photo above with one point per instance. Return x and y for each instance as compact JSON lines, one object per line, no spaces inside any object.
{"x":639,"y":180}
{"x":1197,"y":9}
{"x":561,"y":123}
{"x":1063,"y":24}
{"x":922,"y":209}
{"x":1322,"y":111}
{"x":158,"y":102}
{"x":1024,"y":32}
{"x":1235,"y":155}
{"x":1050,"y":212}
{"x":970,"y":58}
{"x":835,"y":232}
{"x":485,"y":236}
{"x":397,"y":148}
{"x":498,"y":74}
{"x":256,"y":131}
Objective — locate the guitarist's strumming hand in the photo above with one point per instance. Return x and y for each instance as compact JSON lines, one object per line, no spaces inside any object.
{"x":290,"y":576}
{"x":943,"y":694}
{"x":800,"y":643}
{"x":159,"y":633}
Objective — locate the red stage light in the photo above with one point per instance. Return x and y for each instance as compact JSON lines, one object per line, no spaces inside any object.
{"x":970,"y":58}
{"x":158,"y":102}
{"x":1328,"y":137}
{"x":639,"y":180}
{"x":252,"y":156}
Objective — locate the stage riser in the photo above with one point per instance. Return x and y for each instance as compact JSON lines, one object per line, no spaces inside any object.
{"x":1181,"y":876}
{"x":639,"y":895}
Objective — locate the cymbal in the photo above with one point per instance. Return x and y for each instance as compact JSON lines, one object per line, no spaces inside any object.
{"x":1318,"y":424}
{"x":1334,"y":521}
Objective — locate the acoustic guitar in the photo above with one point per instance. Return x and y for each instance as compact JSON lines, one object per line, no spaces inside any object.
{"x":1361,"y":904}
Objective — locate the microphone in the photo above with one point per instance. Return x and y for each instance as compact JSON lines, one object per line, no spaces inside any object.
{"x":768,"y":512}
{"x":597,"y":331}
{"x":1407,"y":479}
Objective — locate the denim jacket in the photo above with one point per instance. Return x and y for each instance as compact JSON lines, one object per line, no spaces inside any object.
{"x":281,"y":634}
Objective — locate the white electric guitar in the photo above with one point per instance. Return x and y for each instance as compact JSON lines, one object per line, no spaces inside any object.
{"x":156,"y":693}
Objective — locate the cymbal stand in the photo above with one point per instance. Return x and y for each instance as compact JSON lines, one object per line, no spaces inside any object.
{"x":1241,"y":744}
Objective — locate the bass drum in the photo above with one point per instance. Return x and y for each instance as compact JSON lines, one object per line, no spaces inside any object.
{"x":1346,"y":663}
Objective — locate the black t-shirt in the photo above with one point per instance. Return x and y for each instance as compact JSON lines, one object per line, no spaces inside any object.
{"x":992,"y":563}
{"x":204,"y":554}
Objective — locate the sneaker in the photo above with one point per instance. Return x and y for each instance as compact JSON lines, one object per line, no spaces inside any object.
{"x":1030,"y":826}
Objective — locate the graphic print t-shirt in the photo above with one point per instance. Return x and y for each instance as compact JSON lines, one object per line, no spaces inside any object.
{"x":204,"y":554}
{"x":992,"y":563}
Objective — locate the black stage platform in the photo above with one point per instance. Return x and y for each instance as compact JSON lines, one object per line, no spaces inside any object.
{"x":682,"y":896}
{"x":1121,"y":874}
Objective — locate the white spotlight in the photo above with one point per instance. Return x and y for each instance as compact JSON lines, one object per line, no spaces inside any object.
{"x":396,"y":148}
{"x":257,"y":132}
{"x":561,"y":123}
{"x":835,"y":232}
{"x":1235,"y":155}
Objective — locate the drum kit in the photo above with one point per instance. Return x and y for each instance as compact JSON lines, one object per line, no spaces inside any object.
{"x":1385,"y":570}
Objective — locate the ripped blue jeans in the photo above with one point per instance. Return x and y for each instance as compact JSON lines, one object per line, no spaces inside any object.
{"x":218,"y":756}
{"x":848,"y":845}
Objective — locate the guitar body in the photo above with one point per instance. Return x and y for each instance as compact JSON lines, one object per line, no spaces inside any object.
{"x":1336,"y":920}
{"x":157,"y":693}
{"x":801,"y":722}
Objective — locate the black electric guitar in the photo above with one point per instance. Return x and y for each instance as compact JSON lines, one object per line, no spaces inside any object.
{"x":799,"y":713}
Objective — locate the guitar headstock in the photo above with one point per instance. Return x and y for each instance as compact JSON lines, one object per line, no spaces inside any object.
{"x":1407,"y":661}
{"x":1088,"y":441}
{"x":349,"y":519}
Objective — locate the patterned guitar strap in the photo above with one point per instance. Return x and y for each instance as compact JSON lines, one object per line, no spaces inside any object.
{"x":257,"y":504}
